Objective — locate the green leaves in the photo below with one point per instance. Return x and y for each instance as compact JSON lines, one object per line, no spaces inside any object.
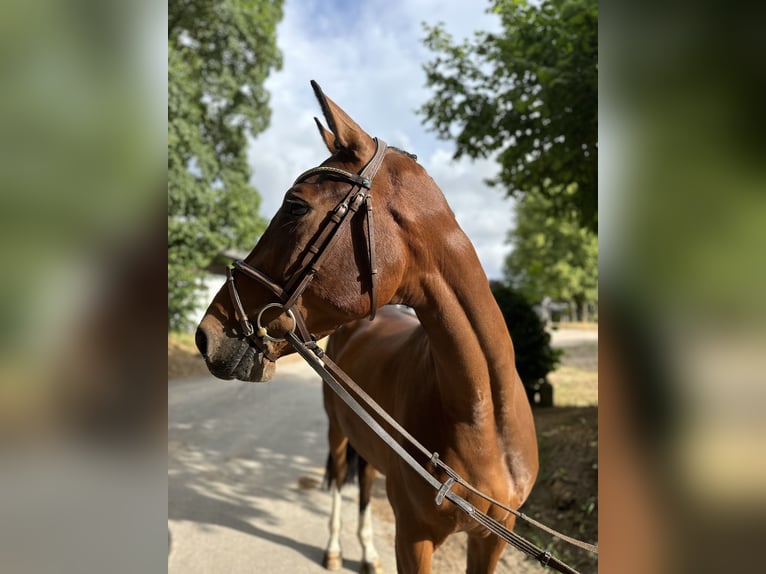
{"x":552,"y":255}
{"x":528,"y":94}
{"x":219,"y":55}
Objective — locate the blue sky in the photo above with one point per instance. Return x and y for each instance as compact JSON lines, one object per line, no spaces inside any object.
{"x":368,"y":57}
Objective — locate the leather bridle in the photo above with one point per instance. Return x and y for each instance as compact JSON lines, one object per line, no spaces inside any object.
{"x":358,"y":195}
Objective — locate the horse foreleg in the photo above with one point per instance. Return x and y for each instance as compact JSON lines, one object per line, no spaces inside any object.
{"x":337,"y":470}
{"x":370,"y":558}
{"x":483,"y":553}
{"x":413,"y":554}
{"x":333,"y":557}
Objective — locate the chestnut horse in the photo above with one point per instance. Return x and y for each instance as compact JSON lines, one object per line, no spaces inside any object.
{"x":448,"y":376}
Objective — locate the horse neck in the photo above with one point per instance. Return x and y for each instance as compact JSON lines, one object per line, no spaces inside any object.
{"x":468,"y":337}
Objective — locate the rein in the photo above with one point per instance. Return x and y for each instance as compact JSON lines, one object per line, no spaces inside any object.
{"x":305,"y":345}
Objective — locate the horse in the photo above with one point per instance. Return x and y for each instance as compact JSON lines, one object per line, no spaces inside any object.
{"x":446,"y":373}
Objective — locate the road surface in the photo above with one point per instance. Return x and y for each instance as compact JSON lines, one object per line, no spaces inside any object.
{"x":245,"y":461}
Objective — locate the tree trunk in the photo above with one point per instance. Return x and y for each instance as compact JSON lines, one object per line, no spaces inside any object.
{"x":581,"y":308}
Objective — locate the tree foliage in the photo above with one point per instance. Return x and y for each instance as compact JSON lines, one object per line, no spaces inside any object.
{"x":527,"y":94}
{"x":219,"y":55}
{"x":552,"y":255}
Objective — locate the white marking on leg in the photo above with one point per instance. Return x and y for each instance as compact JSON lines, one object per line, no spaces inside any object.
{"x":333,"y":545}
{"x":369,"y":553}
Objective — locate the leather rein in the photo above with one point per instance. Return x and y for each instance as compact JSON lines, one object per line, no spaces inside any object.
{"x":305,"y":345}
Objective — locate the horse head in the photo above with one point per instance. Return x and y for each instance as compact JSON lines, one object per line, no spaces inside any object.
{"x":362,"y":265}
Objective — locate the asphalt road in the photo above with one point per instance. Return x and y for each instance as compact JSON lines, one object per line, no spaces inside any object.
{"x":244,"y":460}
{"x":244,"y":464}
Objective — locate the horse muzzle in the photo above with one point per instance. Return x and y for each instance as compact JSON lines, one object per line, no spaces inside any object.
{"x":233,"y":358}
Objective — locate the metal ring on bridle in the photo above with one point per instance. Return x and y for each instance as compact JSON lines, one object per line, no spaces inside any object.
{"x":260,"y":327}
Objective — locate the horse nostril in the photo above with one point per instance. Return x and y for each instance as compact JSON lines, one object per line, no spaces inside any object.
{"x":201,"y":340}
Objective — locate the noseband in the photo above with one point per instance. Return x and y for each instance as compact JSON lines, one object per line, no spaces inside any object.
{"x":357,"y":195}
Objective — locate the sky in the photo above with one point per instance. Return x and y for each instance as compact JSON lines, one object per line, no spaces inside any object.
{"x":368,"y":57}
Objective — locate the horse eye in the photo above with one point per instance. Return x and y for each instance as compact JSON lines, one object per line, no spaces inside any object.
{"x":297,"y":208}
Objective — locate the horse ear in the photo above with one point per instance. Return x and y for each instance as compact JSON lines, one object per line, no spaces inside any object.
{"x":327,"y":137}
{"x":348,"y":136}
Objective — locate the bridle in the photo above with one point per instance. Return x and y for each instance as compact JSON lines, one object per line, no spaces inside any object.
{"x":305,"y":345}
{"x":358,"y":195}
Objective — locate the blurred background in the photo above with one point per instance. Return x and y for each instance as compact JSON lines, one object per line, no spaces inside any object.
{"x":82,"y":271}
{"x":682,"y":231}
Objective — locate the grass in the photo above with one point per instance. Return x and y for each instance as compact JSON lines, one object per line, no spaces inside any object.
{"x":182,"y":339}
{"x":183,"y":358}
{"x":574,"y":387}
{"x":575,"y":381}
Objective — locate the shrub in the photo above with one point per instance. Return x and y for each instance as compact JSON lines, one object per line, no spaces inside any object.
{"x":535,"y":357}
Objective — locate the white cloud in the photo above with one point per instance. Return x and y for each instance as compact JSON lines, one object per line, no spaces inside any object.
{"x":368,"y":57}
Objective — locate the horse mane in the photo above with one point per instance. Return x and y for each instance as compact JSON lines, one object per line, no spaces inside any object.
{"x":412,"y":156}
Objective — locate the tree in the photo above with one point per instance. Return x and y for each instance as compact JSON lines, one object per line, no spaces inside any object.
{"x":527,"y":94}
{"x":219,"y":55}
{"x":552,"y":255}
